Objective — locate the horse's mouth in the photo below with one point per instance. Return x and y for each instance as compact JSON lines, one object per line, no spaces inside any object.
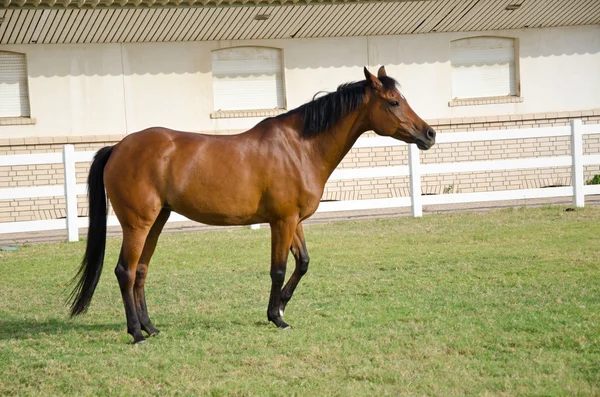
{"x":422,"y":145}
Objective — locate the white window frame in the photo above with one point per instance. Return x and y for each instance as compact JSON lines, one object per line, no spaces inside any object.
{"x":245,"y":108}
{"x":511,"y":97}
{"x":24,"y":116}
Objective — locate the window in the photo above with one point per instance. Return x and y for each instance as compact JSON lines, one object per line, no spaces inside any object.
{"x":246,"y":78}
{"x":483,"y":67}
{"x":14,"y":96}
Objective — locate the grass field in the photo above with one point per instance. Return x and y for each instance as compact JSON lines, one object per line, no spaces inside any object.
{"x":504,"y":303}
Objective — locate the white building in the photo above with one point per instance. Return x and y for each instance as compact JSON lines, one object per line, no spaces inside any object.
{"x":88,"y":72}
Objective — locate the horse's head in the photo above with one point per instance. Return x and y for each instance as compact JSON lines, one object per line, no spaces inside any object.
{"x":391,"y":115}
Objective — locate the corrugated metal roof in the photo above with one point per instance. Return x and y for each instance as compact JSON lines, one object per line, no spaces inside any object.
{"x":174,"y":20}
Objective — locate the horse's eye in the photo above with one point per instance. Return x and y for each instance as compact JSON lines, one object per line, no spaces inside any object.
{"x":394,"y":103}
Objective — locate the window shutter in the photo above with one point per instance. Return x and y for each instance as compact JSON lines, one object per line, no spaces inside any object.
{"x":14,"y":99}
{"x":483,"y":67}
{"x":247,"y":78}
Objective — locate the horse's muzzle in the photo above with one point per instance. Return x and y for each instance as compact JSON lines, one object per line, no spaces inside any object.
{"x":428,"y":139}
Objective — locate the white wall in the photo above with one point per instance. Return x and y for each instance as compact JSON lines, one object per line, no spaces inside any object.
{"x":73,"y":90}
{"x":559,"y":70}
{"x":102,"y":89}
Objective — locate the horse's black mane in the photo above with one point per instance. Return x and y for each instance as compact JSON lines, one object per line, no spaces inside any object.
{"x":322,"y":113}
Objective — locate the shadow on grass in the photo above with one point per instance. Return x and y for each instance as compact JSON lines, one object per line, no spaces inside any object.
{"x":212,"y":324}
{"x":29,"y":328}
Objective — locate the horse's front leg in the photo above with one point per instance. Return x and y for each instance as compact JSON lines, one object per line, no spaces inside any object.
{"x":282,"y":233}
{"x":301,"y":255}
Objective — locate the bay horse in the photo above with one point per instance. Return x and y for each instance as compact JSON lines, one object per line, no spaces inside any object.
{"x":274,"y":173}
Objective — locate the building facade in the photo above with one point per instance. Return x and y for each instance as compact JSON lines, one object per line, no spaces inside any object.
{"x":89,"y":75}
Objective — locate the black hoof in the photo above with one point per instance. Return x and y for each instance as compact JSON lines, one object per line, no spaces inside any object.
{"x":137,"y":339}
{"x":279,"y":323}
{"x":154,"y":333}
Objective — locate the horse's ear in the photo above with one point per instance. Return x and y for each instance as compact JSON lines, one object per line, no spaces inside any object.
{"x":374,"y":81}
{"x":381,"y":72}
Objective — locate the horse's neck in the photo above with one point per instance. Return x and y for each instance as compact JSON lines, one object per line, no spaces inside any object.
{"x":333,"y":145}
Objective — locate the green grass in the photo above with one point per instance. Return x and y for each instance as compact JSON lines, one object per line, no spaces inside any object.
{"x":504,"y":303}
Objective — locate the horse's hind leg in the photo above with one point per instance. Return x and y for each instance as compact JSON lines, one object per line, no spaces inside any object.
{"x":142,"y":272}
{"x":301,"y":255}
{"x":131,"y":251}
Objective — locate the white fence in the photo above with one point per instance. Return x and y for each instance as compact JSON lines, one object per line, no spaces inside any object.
{"x":414,"y":170}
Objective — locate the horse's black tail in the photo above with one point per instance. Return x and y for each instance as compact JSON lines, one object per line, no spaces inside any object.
{"x":91,"y":266}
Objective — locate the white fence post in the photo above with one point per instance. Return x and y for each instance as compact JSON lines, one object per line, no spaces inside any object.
{"x":71,"y":192}
{"x":414,"y":170}
{"x":577,"y":167}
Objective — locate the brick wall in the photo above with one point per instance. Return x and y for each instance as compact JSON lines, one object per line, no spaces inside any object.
{"x":53,"y":207}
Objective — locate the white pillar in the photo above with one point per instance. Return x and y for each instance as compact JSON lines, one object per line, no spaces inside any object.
{"x":577,"y":167}
{"x":414,"y":169}
{"x":71,"y":192}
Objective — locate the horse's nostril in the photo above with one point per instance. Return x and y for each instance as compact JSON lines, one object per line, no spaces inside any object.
{"x":430,"y":134}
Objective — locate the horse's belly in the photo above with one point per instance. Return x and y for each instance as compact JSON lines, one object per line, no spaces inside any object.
{"x":217,"y":219}
{"x":219,"y":210}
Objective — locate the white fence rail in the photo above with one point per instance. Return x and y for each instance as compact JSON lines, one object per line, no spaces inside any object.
{"x":414,"y":170}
